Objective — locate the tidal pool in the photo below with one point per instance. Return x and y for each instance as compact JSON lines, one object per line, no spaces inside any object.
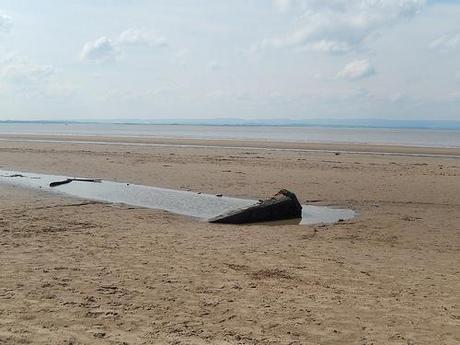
{"x":198,"y":205}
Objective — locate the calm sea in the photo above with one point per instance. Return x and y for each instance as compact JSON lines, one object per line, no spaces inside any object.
{"x":406,"y":137}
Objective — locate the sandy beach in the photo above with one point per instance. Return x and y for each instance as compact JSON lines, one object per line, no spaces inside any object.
{"x":79,"y":272}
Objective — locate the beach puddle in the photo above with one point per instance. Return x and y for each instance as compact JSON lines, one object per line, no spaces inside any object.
{"x":198,"y":205}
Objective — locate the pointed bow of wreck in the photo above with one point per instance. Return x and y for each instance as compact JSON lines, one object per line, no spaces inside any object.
{"x":284,"y":205}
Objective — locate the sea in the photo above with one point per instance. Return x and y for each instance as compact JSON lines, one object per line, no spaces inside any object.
{"x":443,"y":138}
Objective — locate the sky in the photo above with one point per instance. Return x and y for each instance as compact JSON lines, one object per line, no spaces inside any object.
{"x":249,"y":59}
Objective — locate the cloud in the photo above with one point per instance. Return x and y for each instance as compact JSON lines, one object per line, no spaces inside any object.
{"x":283,"y":5}
{"x":106,"y":49}
{"x":357,"y":70}
{"x":20,"y":76}
{"x":141,"y":38}
{"x":295,"y":5}
{"x":102,"y":49}
{"x":330,"y":46}
{"x":446,"y":42}
{"x":339,"y":26}
{"x":5,"y":23}
{"x":23,"y":71}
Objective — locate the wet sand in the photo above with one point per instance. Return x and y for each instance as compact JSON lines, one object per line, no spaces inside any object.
{"x":77,"y":272}
{"x":257,"y":145}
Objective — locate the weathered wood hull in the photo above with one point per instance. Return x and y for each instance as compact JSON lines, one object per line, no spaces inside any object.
{"x":284,"y":205}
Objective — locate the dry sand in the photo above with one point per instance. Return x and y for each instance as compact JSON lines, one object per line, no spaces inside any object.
{"x":88,"y":273}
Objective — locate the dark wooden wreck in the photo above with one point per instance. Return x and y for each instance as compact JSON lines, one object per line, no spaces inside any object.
{"x":284,"y":205}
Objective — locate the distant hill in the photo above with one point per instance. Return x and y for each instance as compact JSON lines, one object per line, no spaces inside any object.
{"x":350,"y":123}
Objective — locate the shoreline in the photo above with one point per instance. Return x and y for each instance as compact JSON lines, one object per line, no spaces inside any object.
{"x":380,"y":149}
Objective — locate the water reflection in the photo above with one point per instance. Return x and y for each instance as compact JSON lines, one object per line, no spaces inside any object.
{"x":192,"y":204}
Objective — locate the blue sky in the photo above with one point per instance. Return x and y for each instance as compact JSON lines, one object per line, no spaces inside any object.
{"x":296,"y":59}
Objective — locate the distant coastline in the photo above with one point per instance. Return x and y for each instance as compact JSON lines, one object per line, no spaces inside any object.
{"x":327,"y":123}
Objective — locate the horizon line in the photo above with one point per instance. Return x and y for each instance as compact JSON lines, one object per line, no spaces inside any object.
{"x":315,"y":122}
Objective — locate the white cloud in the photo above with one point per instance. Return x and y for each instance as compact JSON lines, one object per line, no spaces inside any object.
{"x":330,"y":46}
{"x":446,"y":42}
{"x":295,"y":5}
{"x":139,"y":37}
{"x":22,"y":77}
{"x":5,"y":23}
{"x":21,"y":70}
{"x":339,"y":25}
{"x":102,"y":49}
{"x":283,"y":5}
{"x":357,"y":70}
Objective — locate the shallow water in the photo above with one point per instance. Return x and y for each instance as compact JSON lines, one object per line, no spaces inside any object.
{"x":376,"y":136}
{"x":203,"y":206}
